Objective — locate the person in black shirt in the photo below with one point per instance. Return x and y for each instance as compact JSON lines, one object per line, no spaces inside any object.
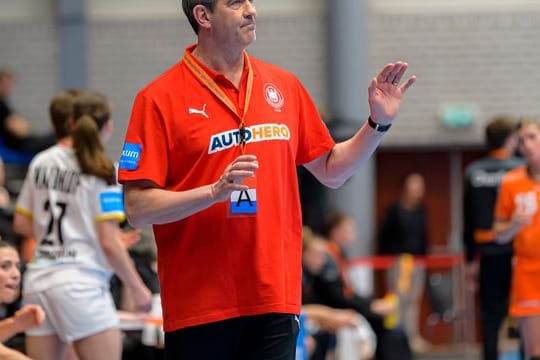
{"x":16,"y":141}
{"x":481,"y":184}
{"x":403,"y":231}
{"x":404,"y":227}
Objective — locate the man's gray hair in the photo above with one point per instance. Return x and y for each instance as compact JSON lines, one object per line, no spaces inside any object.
{"x":189,"y":5}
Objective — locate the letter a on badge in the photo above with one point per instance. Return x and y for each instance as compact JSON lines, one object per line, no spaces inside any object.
{"x":243,"y":202}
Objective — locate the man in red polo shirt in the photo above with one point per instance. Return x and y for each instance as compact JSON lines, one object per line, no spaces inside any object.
{"x":210,"y":159}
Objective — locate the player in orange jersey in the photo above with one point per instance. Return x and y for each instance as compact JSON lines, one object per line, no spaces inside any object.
{"x":518,"y":218}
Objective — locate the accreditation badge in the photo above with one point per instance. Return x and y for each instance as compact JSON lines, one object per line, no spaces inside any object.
{"x":244,"y":202}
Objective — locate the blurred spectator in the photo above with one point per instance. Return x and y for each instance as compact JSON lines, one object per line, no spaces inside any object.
{"x":403,"y":231}
{"x":5,"y":198}
{"x":6,"y":210}
{"x":355,"y":338}
{"x":17,"y":143}
{"x":481,"y":185}
{"x":28,"y":316}
{"x":323,"y":321}
{"x":312,"y":198}
{"x":328,"y":286}
{"x":144,"y":254}
{"x":142,"y":250}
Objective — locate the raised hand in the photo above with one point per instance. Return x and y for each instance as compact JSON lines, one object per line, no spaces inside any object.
{"x":386,"y":91}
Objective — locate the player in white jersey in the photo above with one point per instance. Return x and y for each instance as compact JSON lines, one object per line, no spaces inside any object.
{"x":70,"y":205}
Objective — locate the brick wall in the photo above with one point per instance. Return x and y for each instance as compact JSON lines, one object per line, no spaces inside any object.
{"x":484,"y":59}
{"x":125,"y":55}
{"x":487,"y":59}
{"x":30,"y":49}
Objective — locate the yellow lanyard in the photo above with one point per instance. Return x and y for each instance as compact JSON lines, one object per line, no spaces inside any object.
{"x":207,"y":81}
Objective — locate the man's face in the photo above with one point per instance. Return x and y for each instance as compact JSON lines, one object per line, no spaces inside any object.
{"x":233,"y":22}
{"x":529,"y":143}
{"x":415,"y":188}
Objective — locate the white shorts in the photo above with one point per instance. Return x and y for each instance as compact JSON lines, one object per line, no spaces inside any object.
{"x":73,"y":311}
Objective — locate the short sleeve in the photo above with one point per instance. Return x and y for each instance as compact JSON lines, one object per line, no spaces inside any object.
{"x":25,"y":200}
{"x":314,"y":139}
{"x":144,"y":153}
{"x":108,"y":203}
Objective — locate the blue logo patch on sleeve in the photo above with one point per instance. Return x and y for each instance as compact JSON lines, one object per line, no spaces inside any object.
{"x":111,"y":201}
{"x":131,"y":153}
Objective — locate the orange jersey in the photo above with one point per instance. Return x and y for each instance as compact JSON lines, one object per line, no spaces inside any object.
{"x":182,"y":136}
{"x":519,"y":192}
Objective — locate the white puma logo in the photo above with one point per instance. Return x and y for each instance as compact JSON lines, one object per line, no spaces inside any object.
{"x":199,"y":112}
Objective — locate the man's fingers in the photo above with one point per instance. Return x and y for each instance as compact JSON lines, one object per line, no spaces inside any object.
{"x":397,"y":69}
{"x":385,"y":72}
{"x":240,"y":170}
{"x":238,"y":176}
{"x":244,"y":166}
{"x":234,"y":186}
{"x":407,"y":84}
{"x":245,"y":158}
{"x":372,"y":89}
{"x":392,"y":73}
{"x":398,"y":72}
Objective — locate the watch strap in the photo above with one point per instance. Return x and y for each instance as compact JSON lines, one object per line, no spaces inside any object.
{"x":378,"y":127}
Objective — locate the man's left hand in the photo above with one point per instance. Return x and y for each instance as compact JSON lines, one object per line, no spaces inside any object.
{"x":386,"y":91}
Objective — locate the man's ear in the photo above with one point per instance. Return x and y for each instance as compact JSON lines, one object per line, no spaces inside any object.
{"x":202,"y":16}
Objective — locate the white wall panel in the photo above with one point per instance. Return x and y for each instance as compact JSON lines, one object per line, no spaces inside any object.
{"x":452,"y":6}
{"x":137,"y":9}
{"x":16,"y":10}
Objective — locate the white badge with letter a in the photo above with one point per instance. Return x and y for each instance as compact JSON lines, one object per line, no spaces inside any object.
{"x":244,"y":202}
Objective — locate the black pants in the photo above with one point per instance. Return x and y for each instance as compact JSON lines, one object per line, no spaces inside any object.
{"x":259,"y":337}
{"x":494,"y":290}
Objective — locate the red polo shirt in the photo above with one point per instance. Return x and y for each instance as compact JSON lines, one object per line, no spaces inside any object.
{"x":212,"y":266}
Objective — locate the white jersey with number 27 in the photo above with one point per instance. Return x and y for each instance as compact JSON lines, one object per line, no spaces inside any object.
{"x":65,"y":206}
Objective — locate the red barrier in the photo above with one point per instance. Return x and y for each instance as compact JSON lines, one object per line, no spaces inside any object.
{"x":383,"y":262}
{"x":449,"y":315}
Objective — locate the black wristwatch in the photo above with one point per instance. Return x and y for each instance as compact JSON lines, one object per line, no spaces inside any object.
{"x":378,"y":127}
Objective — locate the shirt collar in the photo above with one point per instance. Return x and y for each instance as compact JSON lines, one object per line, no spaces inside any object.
{"x":218,"y":77}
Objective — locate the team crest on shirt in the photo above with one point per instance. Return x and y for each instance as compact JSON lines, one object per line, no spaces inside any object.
{"x":273,"y":96}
